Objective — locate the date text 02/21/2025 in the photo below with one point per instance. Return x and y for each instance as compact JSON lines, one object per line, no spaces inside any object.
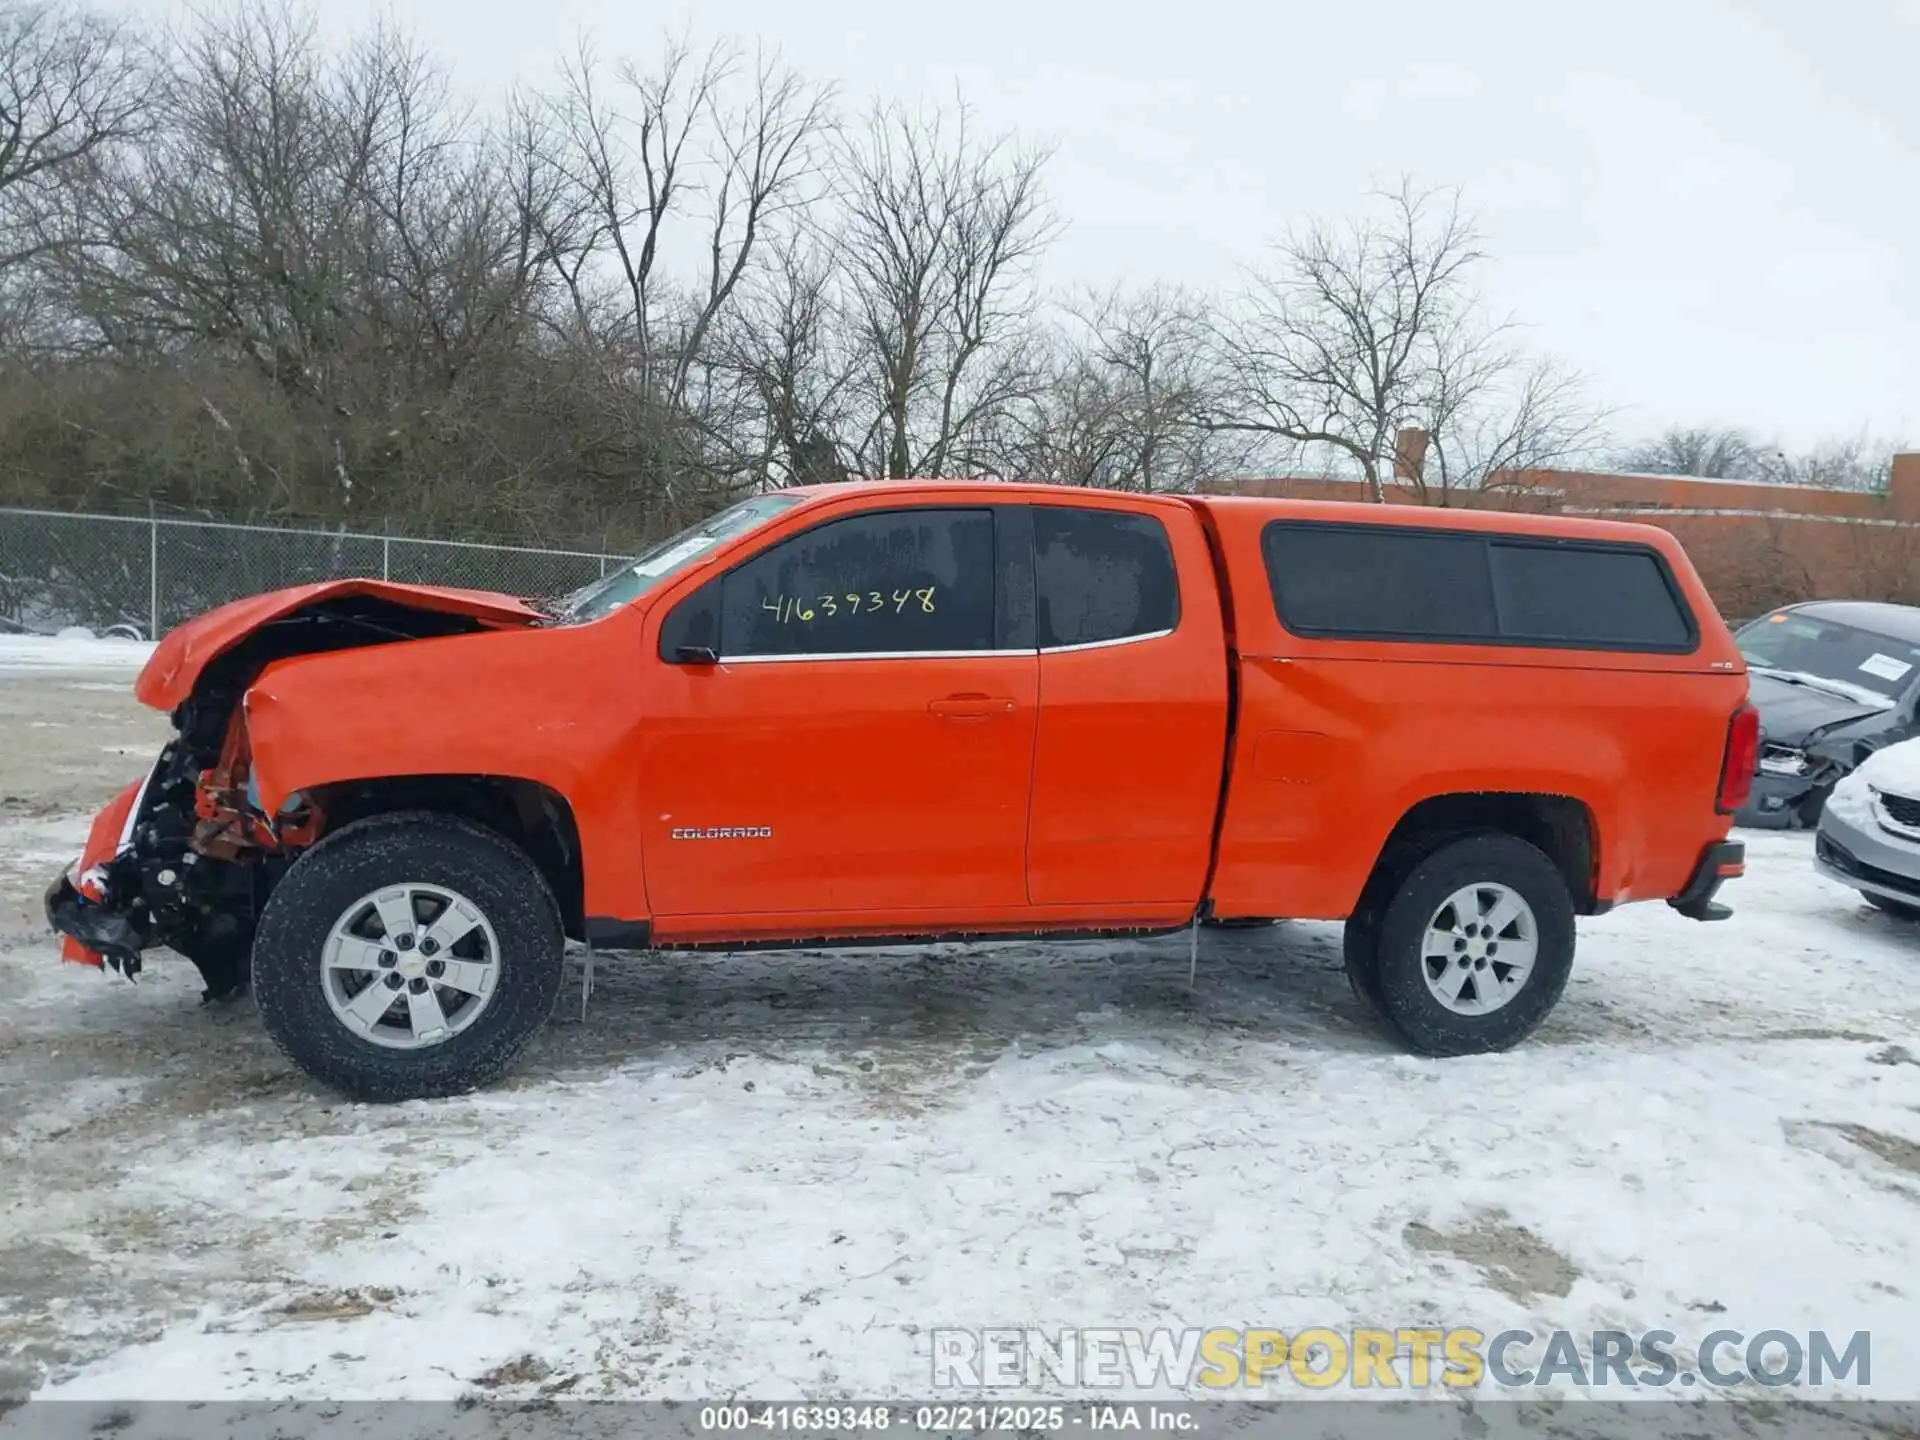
{"x":944,"y":1419}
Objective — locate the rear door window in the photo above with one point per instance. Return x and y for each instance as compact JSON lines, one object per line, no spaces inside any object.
{"x":894,"y":582}
{"x":1101,"y":576}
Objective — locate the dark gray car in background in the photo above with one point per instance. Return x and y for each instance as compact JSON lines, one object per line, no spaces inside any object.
{"x":1834,"y":680}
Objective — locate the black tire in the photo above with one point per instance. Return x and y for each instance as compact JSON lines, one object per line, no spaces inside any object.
{"x":1896,"y":908}
{"x":1396,"y":980}
{"x":1359,"y":951}
{"x":421,"y":848}
{"x":1360,"y":940}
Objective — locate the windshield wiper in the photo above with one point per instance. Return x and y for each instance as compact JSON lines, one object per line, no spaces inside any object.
{"x":552,"y":608}
{"x":1839,"y":689}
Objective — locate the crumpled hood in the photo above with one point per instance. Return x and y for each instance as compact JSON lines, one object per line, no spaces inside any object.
{"x":179,"y":659}
{"x":1792,"y":714}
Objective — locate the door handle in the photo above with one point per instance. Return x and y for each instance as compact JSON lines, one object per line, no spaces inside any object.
{"x":971,"y":707}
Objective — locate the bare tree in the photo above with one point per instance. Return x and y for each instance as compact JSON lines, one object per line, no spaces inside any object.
{"x":1856,"y":462}
{"x":332,"y":224}
{"x":1071,"y":425}
{"x":1127,"y":381}
{"x":788,"y":349}
{"x":260,"y":272}
{"x":766,"y":161}
{"x":1374,"y":326}
{"x":1715,"y":454}
{"x":706,"y":157}
{"x":72,"y":83}
{"x":727,"y":147}
{"x":626,"y":168}
{"x":936,"y":235}
{"x":234,"y":224}
{"x":1494,"y":422}
{"x":1152,"y":343}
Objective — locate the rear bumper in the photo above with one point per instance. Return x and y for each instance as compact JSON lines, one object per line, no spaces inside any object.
{"x":1726,"y":860}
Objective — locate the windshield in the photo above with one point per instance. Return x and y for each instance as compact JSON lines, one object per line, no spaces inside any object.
{"x":1851,"y":660}
{"x":670,"y":556}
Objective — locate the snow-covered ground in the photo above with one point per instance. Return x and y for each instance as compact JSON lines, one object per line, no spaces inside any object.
{"x":774,"y":1175}
{"x":70,"y":650}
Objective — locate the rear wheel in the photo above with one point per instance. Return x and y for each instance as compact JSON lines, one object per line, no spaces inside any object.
{"x":1473,"y":948}
{"x":408,"y":956}
{"x":1896,"y":908}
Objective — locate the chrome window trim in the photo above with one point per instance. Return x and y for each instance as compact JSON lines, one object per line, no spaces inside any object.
{"x":871,"y":655}
{"x":1107,"y":644}
{"x":944,"y":654}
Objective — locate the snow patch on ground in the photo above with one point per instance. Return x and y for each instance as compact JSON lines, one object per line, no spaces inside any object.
{"x":70,"y":650}
{"x":772,"y":1175}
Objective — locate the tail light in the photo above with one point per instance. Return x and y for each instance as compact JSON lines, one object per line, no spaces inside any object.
{"x":1742,"y":757}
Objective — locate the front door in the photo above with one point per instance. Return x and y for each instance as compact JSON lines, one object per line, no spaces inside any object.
{"x":861,"y":750}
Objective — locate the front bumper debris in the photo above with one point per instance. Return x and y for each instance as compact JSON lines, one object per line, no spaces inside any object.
{"x":94,"y":934}
{"x":1784,"y":802}
{"x":1719,"y":863}
{"x":97,"y":927}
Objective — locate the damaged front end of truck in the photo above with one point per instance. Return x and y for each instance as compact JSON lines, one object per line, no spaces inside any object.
{"x":186,"y":858}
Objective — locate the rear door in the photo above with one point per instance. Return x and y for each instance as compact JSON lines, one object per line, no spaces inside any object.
{"x":1133,"y":706}
{"x":863,"y":744}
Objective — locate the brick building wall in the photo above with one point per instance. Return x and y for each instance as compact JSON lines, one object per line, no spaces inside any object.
{"x":1755,"y":545}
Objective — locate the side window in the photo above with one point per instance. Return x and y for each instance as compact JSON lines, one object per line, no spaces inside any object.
{"x":1101,"y":575}
{"x":883,"y":582}
{"x":1366,"y":580}
{"x":693,"y":624}
{"x":1375,"y":582}
{"x":1567,"y":595}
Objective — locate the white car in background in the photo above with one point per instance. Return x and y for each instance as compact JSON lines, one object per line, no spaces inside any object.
{"x":1870,"y":830}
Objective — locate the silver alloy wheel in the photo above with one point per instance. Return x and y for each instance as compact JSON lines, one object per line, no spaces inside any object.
{"x":1479,"y":949}
{"x":410,"y":966}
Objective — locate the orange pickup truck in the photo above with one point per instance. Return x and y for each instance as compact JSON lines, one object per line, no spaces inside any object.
{"x":913,"y":711}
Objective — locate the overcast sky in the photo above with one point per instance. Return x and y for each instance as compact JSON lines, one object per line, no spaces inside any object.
{"x":1703,"y":204}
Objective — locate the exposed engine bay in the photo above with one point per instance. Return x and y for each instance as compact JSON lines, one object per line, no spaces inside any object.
{"x":197,"y":855}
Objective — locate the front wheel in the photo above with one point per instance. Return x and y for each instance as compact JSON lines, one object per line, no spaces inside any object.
{"x":1474,"y":947}
{"x":408,"y":956}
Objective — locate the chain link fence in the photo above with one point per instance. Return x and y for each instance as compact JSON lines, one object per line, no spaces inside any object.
{"x":144,"y":576}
